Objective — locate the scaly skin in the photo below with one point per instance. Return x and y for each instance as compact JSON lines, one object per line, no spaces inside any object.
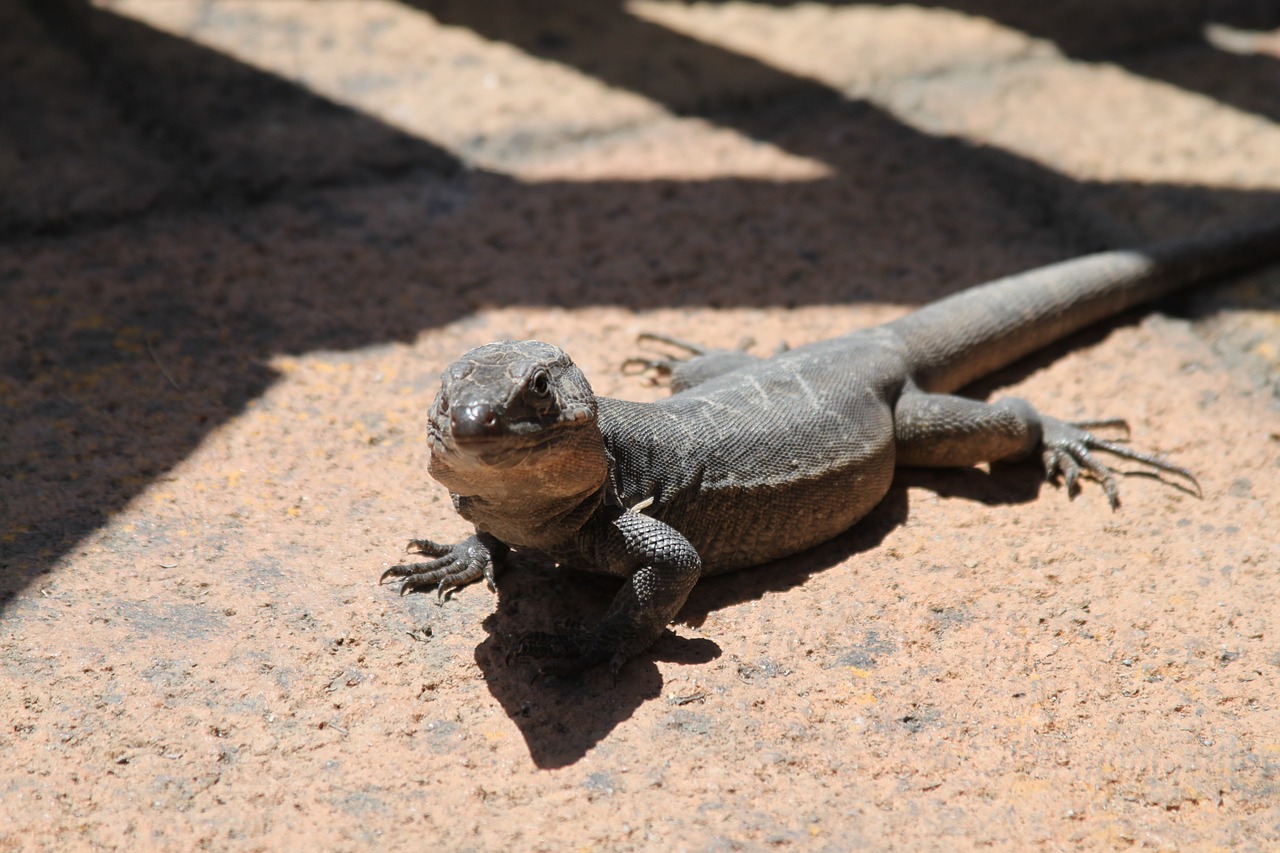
{"x":753,"y":459}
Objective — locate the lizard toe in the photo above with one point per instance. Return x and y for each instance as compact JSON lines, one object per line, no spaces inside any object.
{"x":427,"y":548}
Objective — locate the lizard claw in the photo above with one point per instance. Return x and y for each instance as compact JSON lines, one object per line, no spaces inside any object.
{"x":1067,"y":454}
{"x":453,"y":566}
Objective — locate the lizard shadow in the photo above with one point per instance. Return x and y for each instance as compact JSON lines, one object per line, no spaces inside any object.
{"x":561,"y":719}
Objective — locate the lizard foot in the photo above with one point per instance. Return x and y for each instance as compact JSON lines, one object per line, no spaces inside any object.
{"x":664,"y":366}
{"x":695,"y":366}
{"x":453,"y":566}
{"x":1066,"y":455}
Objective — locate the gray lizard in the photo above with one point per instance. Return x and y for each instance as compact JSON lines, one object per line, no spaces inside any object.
{"x":753,"y":459}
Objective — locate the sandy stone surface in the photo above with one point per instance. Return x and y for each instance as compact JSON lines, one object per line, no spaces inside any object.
{"x":239,"y":240}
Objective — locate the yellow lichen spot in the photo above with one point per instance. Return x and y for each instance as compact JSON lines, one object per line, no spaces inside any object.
{"x":1029,"y":786}
{"x":92,"y":321}
{"x":865,"y":699}
{"x":129,"y":339}
{"x":293,"y":512}
{"x":233,"y":479}
{"x":494,"y":734}
{"x":858,"y":672}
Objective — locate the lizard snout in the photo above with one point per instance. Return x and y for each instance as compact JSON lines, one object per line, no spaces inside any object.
{"x":479,"y":420}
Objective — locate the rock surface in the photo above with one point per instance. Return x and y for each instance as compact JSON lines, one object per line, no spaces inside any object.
{"x":239,"y":240}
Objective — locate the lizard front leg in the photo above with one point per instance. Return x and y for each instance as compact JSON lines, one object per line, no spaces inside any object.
{"x":661,"y":567}
{"x":941,"y":430}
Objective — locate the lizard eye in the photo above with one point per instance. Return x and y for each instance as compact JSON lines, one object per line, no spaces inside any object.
{"x":541,"y":383}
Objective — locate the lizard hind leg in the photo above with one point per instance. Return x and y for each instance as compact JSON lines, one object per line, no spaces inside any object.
{"x":942,"y":430}
{"x":696,"y":366}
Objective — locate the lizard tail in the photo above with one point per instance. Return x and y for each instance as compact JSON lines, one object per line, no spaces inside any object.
{"x":958,"y":339}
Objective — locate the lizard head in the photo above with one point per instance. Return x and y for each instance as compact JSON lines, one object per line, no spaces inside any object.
{"x":516,"y":421}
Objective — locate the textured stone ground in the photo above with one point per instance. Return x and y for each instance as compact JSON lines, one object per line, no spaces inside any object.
{"x":239,"y":240}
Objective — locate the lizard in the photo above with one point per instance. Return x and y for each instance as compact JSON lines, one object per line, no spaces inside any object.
{"x":752,"y":459}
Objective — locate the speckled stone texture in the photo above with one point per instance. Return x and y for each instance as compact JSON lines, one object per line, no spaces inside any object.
{"x":239,"y":240}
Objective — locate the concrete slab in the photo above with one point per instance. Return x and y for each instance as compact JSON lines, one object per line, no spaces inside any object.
{"x":236,"y":262}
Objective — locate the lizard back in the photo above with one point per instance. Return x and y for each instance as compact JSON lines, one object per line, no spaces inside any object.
{"x":766,"y":460}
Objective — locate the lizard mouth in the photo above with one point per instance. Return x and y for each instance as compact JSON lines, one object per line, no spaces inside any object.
{"x":510,"y":443}
{"x":499,"y":451}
